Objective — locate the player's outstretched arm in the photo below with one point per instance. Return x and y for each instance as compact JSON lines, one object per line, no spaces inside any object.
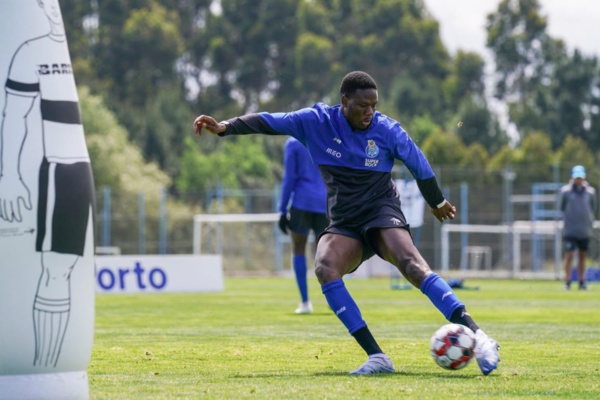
{"x":209,"y":123}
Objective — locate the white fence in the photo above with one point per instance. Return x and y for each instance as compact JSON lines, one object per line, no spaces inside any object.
{"x":513,"y":236}
{"x":518,"y":231}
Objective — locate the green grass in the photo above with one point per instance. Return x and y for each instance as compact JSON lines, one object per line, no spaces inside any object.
{"x":246,"y":343}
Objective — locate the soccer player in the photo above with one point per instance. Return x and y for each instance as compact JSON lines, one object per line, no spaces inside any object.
{"x":302,"y":184}
{"x":577,"y":203}
{"x":355,"y":147}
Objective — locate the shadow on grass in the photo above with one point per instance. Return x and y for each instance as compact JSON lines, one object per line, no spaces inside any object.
{"x":371,"y":376}
{"x":400,"y":373}
{"x":314,"y":314}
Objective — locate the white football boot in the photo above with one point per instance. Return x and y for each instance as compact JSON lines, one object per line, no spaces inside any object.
{"x":304,"y":308}
{"x":378,"y":363}
{"x":486,"y":352}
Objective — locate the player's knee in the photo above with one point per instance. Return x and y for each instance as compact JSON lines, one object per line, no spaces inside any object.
{"x":323,"y":274}
{"x":415,"y":271}
{"x":326,"y":271}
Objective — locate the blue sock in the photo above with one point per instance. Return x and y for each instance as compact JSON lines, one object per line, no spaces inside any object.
{"x":343,"y":305}
{"x":299,"y":262}
{"x":441,"y":295}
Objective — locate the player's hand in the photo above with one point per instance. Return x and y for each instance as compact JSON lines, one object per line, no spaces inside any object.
{"x":13,"y":194}
{"x":447,"y":211}
{"x":284,"y":224}
{"x":209,"y":123}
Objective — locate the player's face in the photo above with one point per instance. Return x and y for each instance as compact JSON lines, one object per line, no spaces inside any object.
{"x":52,"y":10}
{"x":359,"y":108}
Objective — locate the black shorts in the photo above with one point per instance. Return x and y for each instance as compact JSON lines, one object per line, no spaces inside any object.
{"x":304,"y":221}
{"x":66,"y":197}
{"x":572,"y":243}
{"x":387,"y":216}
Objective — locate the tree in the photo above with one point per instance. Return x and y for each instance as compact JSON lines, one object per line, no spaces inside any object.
{"x":572,"y":93}
{"x":536,"y":156}
{"x":546,"y":89}
{"x":477,"y":124}
{"x":517,"y":36}
{"x":248,"y":49}
{"x":443,"y":148}
{"x":312,"y":52}
{"x":473,"y":166}
{"x":239,"y":163}
{"x":475,"y":157}
{"x":503,"y":158}
{"x":411,"y":97}
{"x":161,"y":126}
{"x":150,"y":44}
{"x":116,"y":161}
{"x":421,"y":127}
{"x":574,"y":151}
{"x":466,"y":80}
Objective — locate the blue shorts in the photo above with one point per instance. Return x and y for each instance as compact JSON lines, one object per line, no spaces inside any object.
{"x":66,"y":197}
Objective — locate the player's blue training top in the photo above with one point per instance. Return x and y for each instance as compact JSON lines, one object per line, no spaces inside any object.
{"x":302,"y":180}
{"x":355,"y":165}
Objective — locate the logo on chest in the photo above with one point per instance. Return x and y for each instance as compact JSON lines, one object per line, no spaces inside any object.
{"x":372,"y":151}
{"x":334,"y":153}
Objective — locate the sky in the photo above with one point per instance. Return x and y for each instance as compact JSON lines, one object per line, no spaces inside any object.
{"x":462,"y":23}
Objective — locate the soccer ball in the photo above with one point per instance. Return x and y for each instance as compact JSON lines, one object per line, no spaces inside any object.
{"x":453,"y":346}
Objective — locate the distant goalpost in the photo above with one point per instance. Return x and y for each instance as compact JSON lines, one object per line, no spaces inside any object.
{"x":202,"y":219}
{"x":250,"y":243}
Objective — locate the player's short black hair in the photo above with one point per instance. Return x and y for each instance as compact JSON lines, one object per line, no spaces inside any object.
{"x":356,"y":80}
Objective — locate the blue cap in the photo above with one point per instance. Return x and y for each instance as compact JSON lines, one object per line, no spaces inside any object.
{"x":578,"y":171}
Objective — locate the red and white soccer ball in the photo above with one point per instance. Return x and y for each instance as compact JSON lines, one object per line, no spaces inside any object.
{"x":453,"y":346}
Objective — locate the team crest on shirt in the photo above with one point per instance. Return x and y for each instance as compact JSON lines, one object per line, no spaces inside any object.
{"x":372,"y":150}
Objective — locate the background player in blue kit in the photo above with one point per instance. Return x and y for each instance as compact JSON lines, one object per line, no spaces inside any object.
{"x":355,"y":147}
{"x":302,"y":184}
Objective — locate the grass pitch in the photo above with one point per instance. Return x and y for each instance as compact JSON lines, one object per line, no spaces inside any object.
{"x":247,"y":343}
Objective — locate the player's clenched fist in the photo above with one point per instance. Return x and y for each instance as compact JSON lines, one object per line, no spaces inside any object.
{"x":209,"y":123}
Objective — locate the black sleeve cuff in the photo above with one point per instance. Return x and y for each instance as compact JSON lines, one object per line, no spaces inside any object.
{"x":430,"y":191}
{"x":247,"y":124}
